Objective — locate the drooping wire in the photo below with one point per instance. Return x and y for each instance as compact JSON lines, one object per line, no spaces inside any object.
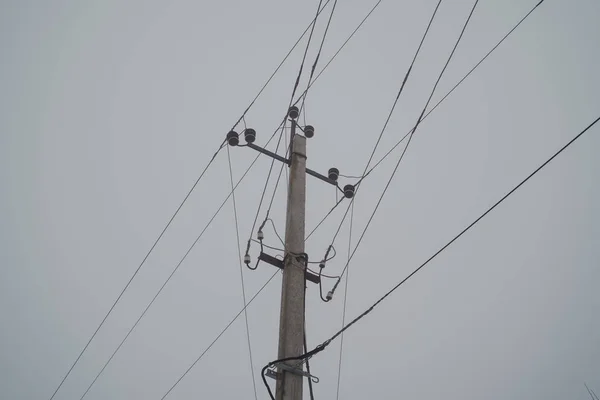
{"x":136,"y":271}
{"x":455,"y":86}
{"x":262,"y":196}
{"x":219,"y":336}
{"x":389,"y":116}
{"x":314,"y":66}
{"x":362,"y":235}
{"x":171,"y":275}
{"x":326,"y":343}
{"x":239,"y":251}
{"x":337,"y":395}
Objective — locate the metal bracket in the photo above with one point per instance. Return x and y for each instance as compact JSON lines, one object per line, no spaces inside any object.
{"x":287,"y":162}
{"x":279,"y":264}
{"x":296,"y":371}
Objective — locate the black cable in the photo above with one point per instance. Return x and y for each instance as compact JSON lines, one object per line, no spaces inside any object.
{"x":455,"y":86}
{"x":219,"y":335}
{"x":339,"y":50}
{"x":314,"y":66}
{"x":337,"y":395}
{"x":310,"y":383}
{"x":389,"y":116}
{"x":323,"y":345}
{"x":411,"y":135}
{"x":313,"y":24}
{"x":136,"y":272}
{"x":324,"y":218}
{"x":239,"y":251}
{"x":589,"y":391}
{"x":170,"y":276}
{"x":182,"y":203}
{"x":280,"y":64}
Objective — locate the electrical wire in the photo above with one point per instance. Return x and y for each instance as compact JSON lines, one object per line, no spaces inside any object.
{"x":181,"y":205}
{"x":362,"y":235}
{"x":314,"y":21}
{"x":455,"y":87}
{"x":337,"y":394}
{"x":389,"y":116}
{"x":314,"y":66}
{"x":171,"y":275}
{"x":136,"y":272}
{"x":592,"y":395}
{"x":324,"y":218}
{"x":280,"y":65}
{"x":243,"y":286}
{"x":218,"y":336}
{"x":339,"y":50}
{"x":326,"y":343}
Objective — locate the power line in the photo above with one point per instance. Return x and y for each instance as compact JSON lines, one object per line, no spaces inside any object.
{"x":411,"y":135}
{"x":389,"y":116}
{"x":314,"y":66}
{"x":135,"y":272}
{"x":171,"y":275}
{"x":339,"y":50}
{"x":456,"y":85}
{"x":326,"y":343}
{"x":337,"y":395}
{"x":239,"y":251}
{"x":591,"y":392}
{"x":218,"y":336}
{"x":280,"y":64}
{"x":180,"y":206}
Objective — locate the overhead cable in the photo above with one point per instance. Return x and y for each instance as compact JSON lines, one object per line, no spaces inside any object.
{"x":411,"y":135}
{"x":326,"y":343}
{"x":243,"y":286}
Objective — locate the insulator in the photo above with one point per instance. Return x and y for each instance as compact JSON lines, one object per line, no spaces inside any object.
{"x":247,"y":259}
{"x":293,"y":112}
{"x":329,"y":295}
{"x":309,"y":131}
{"x":250,"y":135}
{"x":260,"y":235}
{"x":349,"y":191}
{"x":333,"y":173}
{"x":322,"y":264}
{"x":233,"y":138}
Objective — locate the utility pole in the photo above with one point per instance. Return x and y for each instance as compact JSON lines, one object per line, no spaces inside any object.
{"x":291,"y":323}
{"x":290,"y":375}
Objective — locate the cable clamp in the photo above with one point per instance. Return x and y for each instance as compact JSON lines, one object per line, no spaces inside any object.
{"x":294,"y":370}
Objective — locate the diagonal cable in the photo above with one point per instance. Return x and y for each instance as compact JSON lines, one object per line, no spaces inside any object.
{"x":135,"y":273}
{"x":389,"y":116}
{"x":327,"y":342}
{"x":239,"y":251}
{"x":411,"y":135}
{"x":218,"y":337}
{"x":170,"y":276}
{"x":337,"y":395}
{"x":456,"y":85}
{"x":179,"y":208}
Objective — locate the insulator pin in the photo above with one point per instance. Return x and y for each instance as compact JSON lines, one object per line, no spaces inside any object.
{"x":233,"y":138}
{"x":250,"y":135}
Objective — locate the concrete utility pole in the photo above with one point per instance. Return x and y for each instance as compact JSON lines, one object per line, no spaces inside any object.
{"x":291,"y":323}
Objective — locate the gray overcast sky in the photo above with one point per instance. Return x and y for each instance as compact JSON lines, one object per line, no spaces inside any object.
{"x":109,"y":110}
